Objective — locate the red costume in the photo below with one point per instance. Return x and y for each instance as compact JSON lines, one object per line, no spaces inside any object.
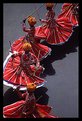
{"x":70,"y":10}
{"x":37,"y":48}
{"x":21,"y":69}
{"x":56,"y":31}
{"x":27,"y":108}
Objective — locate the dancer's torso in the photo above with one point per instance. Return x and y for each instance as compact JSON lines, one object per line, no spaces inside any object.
{"x":31,"y":35}
{"x":27,"y":60}
{"x":50,"y":19}
{"x":30,"y":103}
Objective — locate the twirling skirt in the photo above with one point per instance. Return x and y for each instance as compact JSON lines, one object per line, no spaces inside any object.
{"x":59,"y":33}
{"x":41,"y":51}
{"x":67,"y":11}
{"x":15,"y":111}
{"x":13,"y":76}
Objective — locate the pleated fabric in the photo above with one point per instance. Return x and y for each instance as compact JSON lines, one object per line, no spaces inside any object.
{"x":56,"y":31}
{"x":68,"y":12}
{"x":15,"y":74}
{"x":41,"y":51}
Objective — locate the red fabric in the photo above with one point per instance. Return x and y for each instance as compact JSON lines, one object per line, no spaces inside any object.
{"x":59,"y":32}
{"x":27,"y":108}
{"x":24,"y":77}
{"x":67,"y":11}
{"x":36,"y":47}
{"x":26,"y":58}
{"x":15,"y":111}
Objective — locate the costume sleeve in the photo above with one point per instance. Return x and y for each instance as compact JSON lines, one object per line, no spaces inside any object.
{"x":15,"y":53}
{"x":43,"y":21}
{"x":20,"y":53}
{"x":37,"y":60}
{"x":24,"y":28}
{"x":18,"y":92}
{"x":24,"y":95}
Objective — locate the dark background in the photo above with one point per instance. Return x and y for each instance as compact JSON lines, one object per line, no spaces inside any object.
{"x":61,"y":71}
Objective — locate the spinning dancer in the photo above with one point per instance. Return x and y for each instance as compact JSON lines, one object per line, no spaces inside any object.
{"x":23,"y":68}
{"x":27,"y":106}
{"x":71,"y":11}
{"x":33,"y":39}
{"x":56,"y":31}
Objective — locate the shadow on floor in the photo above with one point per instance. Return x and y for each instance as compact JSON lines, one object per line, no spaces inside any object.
{"x":41,"y":92}
{"x":49,"y":70}
{"x":11,"y":96}
{"x":59,"y":52}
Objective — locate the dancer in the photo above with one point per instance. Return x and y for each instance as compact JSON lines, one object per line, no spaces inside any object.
{"x":27,"y":107}
{"x":56,"y":31}
{"x":32,"y":38}
{"x":23,"y":68}
{"x":71,"y":11}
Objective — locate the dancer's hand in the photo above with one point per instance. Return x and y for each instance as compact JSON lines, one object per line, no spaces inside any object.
{"x":24,"y":20}
{"x":15,"y":53}
{"x":24,"y":113}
